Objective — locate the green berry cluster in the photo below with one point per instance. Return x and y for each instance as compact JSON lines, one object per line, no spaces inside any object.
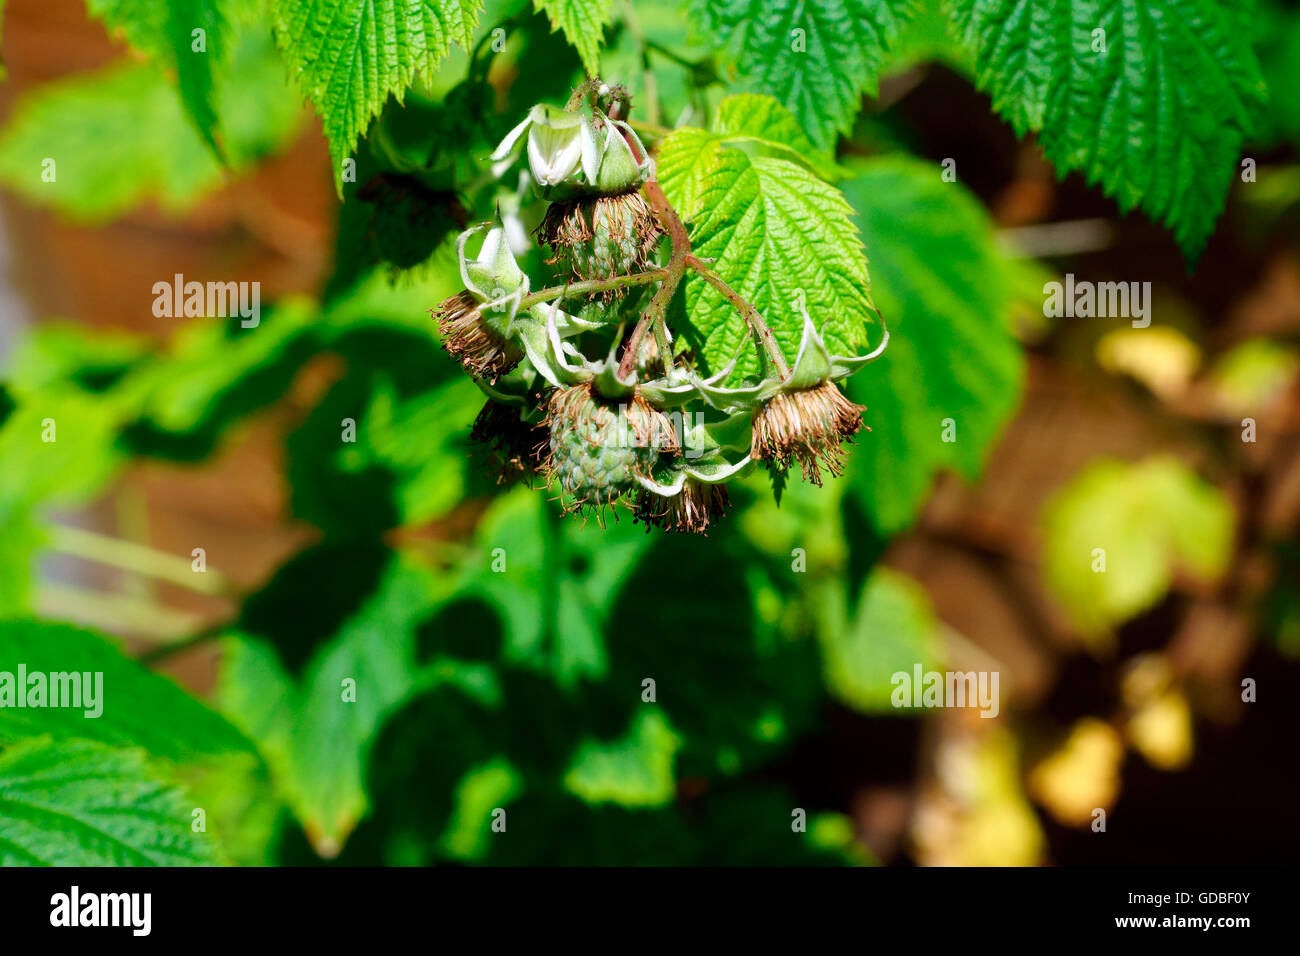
{"x":588,"y":390}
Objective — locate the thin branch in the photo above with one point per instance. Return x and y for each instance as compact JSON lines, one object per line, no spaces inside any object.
{"x":668,"y":54}
{"x":138,"y":558}
{"x":116,"y":612}
{"x":591,"y":285}
{"x":766,"y":339}
{"x":658,"y":307}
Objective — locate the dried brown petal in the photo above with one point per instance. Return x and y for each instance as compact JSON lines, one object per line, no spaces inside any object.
{"x":468,"y":338}
{"x":690,"y":512}
{"x":804,"y":426}
{"x":515,"y":445}
{"x":599,"y":237}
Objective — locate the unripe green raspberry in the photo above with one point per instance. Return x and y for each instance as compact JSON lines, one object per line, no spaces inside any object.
{"x":599,"y":237}
{"x":598,"y":448}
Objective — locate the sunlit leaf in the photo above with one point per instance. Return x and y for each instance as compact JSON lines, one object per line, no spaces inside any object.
{"x":351,"y":57}
{"x":951,"y":376}
{"x":80,"y":803}
{"x":1116,"y":534}
{"x":1150,"y":98}
{"x":114,"y":699}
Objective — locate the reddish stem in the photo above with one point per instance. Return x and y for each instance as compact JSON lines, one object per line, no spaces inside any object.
{"x":766,"y":340}
{"x":679,"y":261}
{"x":658,"y":306}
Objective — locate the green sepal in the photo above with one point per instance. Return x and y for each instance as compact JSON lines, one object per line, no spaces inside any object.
{"x":516,"y":387}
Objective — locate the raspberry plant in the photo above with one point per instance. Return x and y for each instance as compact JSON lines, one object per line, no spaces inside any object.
{"x":599,"y":382}
{"x":644,"y":231}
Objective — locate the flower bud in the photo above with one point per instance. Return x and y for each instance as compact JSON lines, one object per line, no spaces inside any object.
{"x":577,"y":151}
{"x":559,"y":142}
{"x":475,"y":323}
{"x":619,"y":169}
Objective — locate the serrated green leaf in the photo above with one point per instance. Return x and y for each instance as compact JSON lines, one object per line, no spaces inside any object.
{"x":165,"y":32}
{"x":941,"y":289}
{"x":762,"y":117}
{"x":762,"y":121}
{"x":1158,"y":118}
{"x":135,"y":707}
{"x":686,"y":161}
{"x":583,"y":23}
{"x":781,"y":237}
{"x":351,"y":57}
{"x":818,"y":57}
{"x":80,"y":803}
{"x":1148,"y":519}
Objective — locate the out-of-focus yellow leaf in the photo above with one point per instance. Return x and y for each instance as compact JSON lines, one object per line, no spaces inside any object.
{"x":1146,"y":677}
{"x":1161,"y":358}
{"x":1162,"y":731}
{"x":1160,"y":725}
{"x":977,"y":815}
{"x":1114,"y":536}
{"x":1082,"y":776}
{"x":1252,"y":376}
